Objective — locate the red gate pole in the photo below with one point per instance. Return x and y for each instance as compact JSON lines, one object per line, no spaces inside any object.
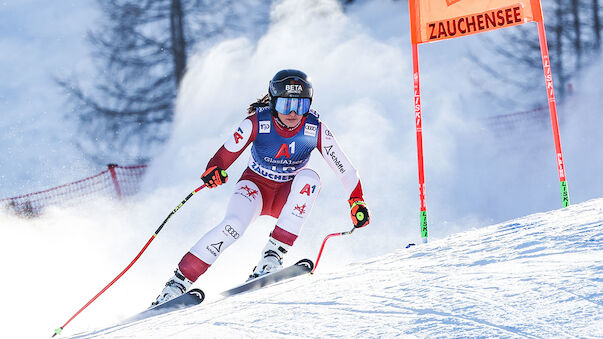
{"x":419,"y":130}
{"x":548,"y":77}
{"x":114,"y":177}
{"x":415,"y":32}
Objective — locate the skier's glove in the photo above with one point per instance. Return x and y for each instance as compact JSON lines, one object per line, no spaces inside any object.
{"x":214,"y":177}
{"x":359,"y":212}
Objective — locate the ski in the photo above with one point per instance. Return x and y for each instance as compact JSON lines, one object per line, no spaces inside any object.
{"x":196,"y":296}
{"x":191,"y":298}
{"x":301,"y":267}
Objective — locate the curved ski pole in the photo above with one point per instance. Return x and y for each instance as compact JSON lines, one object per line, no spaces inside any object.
{"x":325,"y":241}
{"x":60,"y":329}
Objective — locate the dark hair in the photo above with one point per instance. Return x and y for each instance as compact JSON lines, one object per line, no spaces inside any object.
{"x":261,"y":102}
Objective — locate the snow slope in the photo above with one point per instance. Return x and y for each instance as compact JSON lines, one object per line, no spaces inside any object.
{"x":360,"y":64}
{"x":539,"y":276}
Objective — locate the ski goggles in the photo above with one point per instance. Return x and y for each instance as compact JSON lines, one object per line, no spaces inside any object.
{"x":301,"y":106}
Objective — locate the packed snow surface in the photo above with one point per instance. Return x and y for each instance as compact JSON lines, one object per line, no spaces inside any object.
{"x":535,"y":277}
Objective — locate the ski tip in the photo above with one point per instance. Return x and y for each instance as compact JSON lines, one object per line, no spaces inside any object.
{"x":198,"y":293}
{"x":306,"y":263}
{"x":195,"y":292}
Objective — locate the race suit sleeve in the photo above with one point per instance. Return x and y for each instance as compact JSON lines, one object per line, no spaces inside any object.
{"x":235,"y":145}
{"x":339,"y":162}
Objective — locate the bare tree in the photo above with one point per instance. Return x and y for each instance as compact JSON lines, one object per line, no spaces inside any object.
{"x":577,"y":37}
{"x":596,"y":24}
{"x":573,"y":31}
{"x":178,"y":39}
{"x":141,"y":54}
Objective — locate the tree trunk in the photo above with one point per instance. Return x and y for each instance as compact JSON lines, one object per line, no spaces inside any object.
{"x":178,"y":41}
{"x":596,"y":25}
{"x":559,"y":47}
{"x":577,"y":35}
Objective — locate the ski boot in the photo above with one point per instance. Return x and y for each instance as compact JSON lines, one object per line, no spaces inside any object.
{"x":272,"y":258}
{"x":175,"y":287}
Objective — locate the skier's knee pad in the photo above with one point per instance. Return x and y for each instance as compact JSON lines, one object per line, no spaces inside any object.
{"x":303,"y":194}
{"x":306,"y":179}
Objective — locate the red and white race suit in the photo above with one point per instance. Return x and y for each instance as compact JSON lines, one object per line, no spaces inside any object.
{"x":277,"y":182}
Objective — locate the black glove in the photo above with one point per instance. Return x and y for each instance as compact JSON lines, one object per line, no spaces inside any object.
{"x":214,"y":177}
{"x":359,"y":212}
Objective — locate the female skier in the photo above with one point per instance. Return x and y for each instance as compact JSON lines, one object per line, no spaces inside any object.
{"x":284,"y":131}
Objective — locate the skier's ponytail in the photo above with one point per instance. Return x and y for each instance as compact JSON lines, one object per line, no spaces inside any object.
{"x":261,"y":102}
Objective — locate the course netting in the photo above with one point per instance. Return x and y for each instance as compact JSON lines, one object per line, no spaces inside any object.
{"x":116,"y":181}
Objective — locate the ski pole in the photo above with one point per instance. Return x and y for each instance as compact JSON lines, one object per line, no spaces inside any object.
{"x":60,"y":329}
{"x":325,"y":241}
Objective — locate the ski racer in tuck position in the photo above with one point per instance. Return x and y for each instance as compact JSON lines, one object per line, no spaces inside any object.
{"x":284,"y":131}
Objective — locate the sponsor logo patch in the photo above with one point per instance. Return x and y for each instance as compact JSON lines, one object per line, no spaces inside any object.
{"x":310,"y":130}
{"x":294,"y":89}
{"x":308,"y":189}
{"x":248,"y":192}
{"x":283,"y":152}
{"x":334,"y":158}
{"x":264,"y":126}
{"x":266,"y":173}
{"x":233,"y":233}
{"x":212,"y":248}
{"x":300,"y":209}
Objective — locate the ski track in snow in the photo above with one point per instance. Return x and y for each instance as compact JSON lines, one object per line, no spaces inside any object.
{"x":535,"y":277}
